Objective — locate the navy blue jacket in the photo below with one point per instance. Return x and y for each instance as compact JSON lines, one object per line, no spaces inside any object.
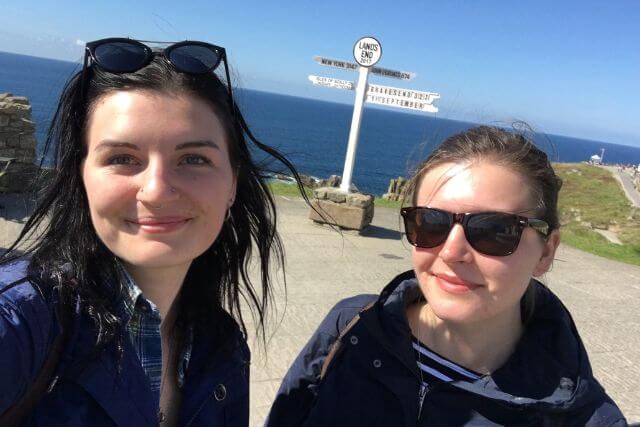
{"x":89,"y":390}
{"x":374,"y":380}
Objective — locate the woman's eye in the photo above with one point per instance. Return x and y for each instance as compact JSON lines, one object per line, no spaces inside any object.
{"x":195,"y":160}
{"x":122,"y":160}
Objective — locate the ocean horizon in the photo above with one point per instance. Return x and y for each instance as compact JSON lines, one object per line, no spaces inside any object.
{"x":311,"y":133}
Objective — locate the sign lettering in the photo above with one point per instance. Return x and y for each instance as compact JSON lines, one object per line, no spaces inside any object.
{"x":404,"y":94}
{"x":331,"y":82}
{"x":367,"y":51}
{"x":402,"y":75}
{"x":382,"y":72}
{"x":391,"y":101}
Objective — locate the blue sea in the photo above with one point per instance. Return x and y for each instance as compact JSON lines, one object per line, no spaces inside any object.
{"x":313,"y":134}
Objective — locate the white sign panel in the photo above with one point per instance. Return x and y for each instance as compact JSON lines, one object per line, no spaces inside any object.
{"x":331,"y":82}
{"x":402,"y":98}
{"x":406,"y":94}
{"x":336,"y":63}
{"x":384,"y":72}
{"x":401,"y":103}
{"x":367,"y":51}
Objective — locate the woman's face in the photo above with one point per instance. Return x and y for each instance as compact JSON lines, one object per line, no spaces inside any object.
{"x":460,"y":284}
{"x":158,"y":176}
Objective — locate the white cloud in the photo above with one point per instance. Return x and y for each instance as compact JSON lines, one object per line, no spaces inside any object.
{"x":80,"y":42}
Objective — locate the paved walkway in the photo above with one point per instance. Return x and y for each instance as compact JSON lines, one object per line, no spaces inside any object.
{"x":627,"y":185}
{"x":323,"y":267}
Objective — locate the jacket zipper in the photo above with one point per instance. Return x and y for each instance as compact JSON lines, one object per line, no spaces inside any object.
{"x":424,"y":389}
{"x":422,"y":395}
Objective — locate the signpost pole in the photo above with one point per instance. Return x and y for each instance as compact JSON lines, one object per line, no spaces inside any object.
{"x":361,"y":93}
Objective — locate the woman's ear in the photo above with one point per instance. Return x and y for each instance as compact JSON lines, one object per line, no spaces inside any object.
{"x":548,"y":253}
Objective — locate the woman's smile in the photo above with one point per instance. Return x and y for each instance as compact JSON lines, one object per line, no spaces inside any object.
{"x":156,"y":225}
{"x":453,"y":284}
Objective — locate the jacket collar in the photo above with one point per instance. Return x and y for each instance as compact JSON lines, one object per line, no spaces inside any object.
{"x":119,"y":385}
{"x":387,"y":321}
{"x":549,"y":368}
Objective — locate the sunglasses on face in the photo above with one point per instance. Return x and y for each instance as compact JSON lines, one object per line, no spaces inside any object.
{"x":490,"y":233}
{"x":122,"y":55}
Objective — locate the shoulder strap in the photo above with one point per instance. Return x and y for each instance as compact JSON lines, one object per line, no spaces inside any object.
{"x":43,"y":383}
{"x":336,"y":347}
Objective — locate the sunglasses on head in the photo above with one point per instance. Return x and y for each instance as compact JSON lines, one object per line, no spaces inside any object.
{"x":490,"y":233}
{"x":122,"y":55}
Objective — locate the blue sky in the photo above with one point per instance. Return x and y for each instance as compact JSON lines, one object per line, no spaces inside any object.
{"x":566,"y":67}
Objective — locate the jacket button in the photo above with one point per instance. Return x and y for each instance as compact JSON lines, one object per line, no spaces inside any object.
{"x":377,"y":363}
{"x":220,"y":392}
{"x":354,"y":339}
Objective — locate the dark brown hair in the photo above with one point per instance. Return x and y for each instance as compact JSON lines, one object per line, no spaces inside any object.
{"x":513,"y":150}
{"x":218,"y":280}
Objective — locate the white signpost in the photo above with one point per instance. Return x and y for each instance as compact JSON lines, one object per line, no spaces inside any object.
{"x":367,"y":52}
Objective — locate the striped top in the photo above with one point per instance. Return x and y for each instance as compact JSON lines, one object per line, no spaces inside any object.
{"x":437,"y":369}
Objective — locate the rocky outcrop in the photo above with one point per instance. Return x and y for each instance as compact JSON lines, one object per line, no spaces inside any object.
{"x":396,"y":189}
{"x":17,"y":143}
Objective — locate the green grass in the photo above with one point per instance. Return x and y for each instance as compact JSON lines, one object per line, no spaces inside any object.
{"x":379,"y":202}
{"x":592,"y":197}
{"x":288,"y":190}
{"x":589,"y":241}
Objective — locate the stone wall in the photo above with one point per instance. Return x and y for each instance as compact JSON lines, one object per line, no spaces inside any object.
{"x":17,"y":141}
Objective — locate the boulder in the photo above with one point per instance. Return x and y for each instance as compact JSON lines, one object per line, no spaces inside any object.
{"x":341,"y":214}
{"x":359,"y":200}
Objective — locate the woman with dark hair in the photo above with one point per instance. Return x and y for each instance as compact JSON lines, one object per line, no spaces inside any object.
{"x":125,"y":307}
{"x":468,"y":336}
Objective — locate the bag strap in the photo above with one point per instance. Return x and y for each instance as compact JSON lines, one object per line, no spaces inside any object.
{"x":44,"y":381}
{"x":336,"y":347}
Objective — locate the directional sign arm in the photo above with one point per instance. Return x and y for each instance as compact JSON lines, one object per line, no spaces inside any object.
{"x":331,"y":82}
{"x":385,"y":72}
{"x":402,"y":98}
{"x":336,"y":63}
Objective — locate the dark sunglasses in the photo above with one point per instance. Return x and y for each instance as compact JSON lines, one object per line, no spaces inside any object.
{"x":122,"y":55}
{"x":490,"y":233}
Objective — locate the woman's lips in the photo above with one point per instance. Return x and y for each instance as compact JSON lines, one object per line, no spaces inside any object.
{"x":156,"y":225}
{"x":453,"y":284}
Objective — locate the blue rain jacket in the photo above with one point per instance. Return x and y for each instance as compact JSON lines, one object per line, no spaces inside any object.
{"x":374,"y":380}
{"x":89,"y":390}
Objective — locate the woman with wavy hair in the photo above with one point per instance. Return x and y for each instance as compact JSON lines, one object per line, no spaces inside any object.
{"x":125,"y":307}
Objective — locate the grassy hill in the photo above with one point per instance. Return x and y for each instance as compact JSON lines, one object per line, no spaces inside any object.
{"x":592,"y":199}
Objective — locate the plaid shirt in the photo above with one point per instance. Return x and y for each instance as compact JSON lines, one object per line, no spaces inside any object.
{"x":143,"y":326}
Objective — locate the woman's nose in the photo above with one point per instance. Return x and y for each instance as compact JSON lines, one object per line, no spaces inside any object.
{"x":456,"y":248}
{"x":156,"y":186}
